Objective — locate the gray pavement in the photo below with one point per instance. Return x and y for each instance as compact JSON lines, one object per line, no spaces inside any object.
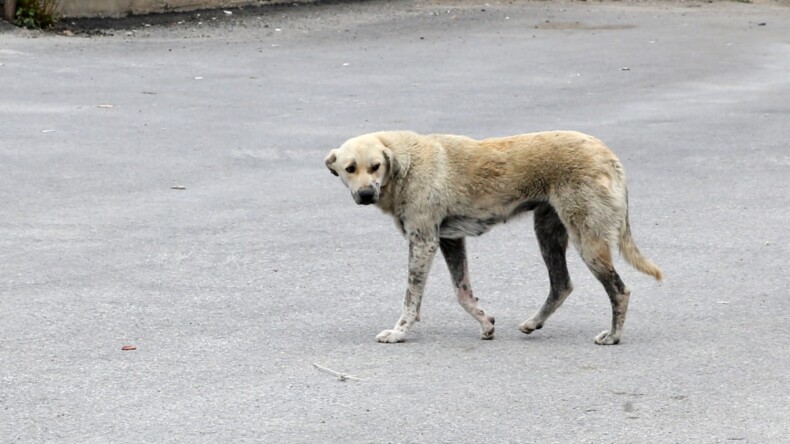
{"x":232,"y":288}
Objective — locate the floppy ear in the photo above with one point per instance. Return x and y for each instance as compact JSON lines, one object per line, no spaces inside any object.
{"x":330,"y":160}
{"x":393,"y":164}
{"x":393,"y":167}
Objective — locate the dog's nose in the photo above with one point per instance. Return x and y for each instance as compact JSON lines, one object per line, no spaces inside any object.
{"x":366,"y":197}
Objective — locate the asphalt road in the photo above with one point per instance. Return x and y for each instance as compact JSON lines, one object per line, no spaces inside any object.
{"x":163,"y":187}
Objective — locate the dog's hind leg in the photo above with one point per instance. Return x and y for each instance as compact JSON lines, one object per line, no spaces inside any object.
{"x":598,"y":257}
{"x":454,"y":251}
{"x":553,"y":240}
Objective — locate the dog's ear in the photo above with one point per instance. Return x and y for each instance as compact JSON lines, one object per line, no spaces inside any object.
{"x":393,"y":167}
{"x":330,"y":160}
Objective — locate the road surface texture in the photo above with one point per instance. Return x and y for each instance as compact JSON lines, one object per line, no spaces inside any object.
{"x":163,"y":188}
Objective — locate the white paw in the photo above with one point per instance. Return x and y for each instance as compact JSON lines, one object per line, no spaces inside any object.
{"x":487,"y":328}
{"x":487,"y":333}
{"x":605,"y":338}
{"x":390,"y":336}
{"x":529,"y":326}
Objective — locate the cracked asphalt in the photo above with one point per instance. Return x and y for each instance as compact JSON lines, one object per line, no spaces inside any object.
{"x":163,"y":189}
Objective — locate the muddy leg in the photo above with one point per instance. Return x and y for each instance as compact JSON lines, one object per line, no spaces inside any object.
{"x":553,"y":240}
{"x":454,"y":251}
{"x":600,"y":263}
{"x":422,"y":248}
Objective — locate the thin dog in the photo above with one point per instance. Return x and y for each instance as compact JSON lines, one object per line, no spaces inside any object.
{"x":442,"y":188}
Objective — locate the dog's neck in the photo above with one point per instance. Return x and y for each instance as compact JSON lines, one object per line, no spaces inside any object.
{"x":388,"y":196}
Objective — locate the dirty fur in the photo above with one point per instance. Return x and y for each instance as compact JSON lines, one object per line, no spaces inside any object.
{"x":442,"y":188}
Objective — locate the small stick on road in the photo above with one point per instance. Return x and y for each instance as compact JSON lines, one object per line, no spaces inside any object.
{"x":341,"y":376}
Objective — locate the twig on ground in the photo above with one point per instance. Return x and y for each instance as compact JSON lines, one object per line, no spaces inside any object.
{"x":341,"y":376}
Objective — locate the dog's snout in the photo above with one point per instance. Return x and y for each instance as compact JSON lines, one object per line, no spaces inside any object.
{"x":367,"y":196}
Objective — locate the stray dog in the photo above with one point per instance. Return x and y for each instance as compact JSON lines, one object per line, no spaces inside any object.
{"x":441,"y":188}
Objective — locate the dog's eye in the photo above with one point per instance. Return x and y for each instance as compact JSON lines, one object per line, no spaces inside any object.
{"x":375,"y":167}
{"x":350,"y":169}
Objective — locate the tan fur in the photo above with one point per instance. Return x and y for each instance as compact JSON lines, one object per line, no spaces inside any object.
{"x":446,"y":186}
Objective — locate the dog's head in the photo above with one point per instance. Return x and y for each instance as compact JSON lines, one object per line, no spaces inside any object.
{"x":364,"y":164}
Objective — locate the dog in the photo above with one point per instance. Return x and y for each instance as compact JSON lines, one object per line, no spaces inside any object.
{"x":441,"y":188}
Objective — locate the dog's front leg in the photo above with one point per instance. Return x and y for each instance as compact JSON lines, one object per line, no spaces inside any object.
{"x":422,"y":249}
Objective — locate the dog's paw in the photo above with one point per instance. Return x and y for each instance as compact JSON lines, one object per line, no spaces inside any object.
{"x":391,"y":336}
{"x":487,"y":334}
{"x":529,"y":326}
{"x":487,"y":329}
{"x":606,"y":338}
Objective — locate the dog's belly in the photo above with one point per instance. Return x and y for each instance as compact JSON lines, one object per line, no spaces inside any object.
{"x":457,"y":226}
{"x":454,"y":227}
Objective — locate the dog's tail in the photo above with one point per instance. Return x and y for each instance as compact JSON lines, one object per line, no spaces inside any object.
{"x":632,"y":254}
